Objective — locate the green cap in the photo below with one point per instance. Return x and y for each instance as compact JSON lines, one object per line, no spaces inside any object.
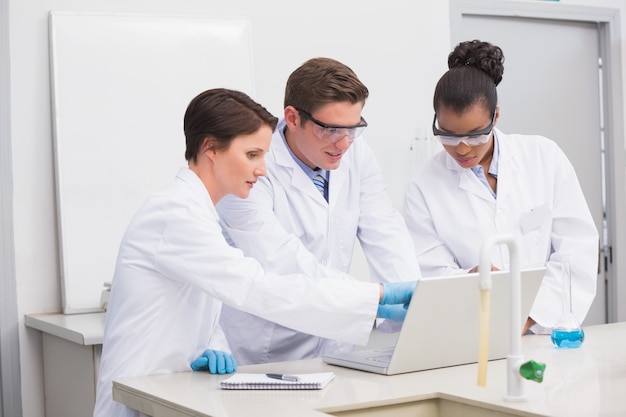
{"x":532,"y":370}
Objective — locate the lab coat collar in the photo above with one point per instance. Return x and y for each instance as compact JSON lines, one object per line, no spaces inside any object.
{"x":468,"y":180}
{"x":507,"y":166}
{"x":198,"y":189}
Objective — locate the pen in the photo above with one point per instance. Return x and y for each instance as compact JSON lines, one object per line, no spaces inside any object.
{"x":284,"y":377}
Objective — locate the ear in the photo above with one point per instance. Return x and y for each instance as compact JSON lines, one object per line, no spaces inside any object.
{"x":495,"y":121}
{"x":292,"y":117}
{"x":208,"y":147}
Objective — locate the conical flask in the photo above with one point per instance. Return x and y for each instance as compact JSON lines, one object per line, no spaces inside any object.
{"x":567,"y":332}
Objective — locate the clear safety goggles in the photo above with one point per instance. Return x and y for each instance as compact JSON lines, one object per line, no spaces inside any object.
{"x":334,"y":133}
{"x":473,"y":139}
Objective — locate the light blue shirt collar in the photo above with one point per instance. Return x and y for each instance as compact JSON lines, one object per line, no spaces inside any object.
{"x":493,"y":167}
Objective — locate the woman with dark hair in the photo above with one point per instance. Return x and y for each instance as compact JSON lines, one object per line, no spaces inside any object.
{"x":486,"y":182}
{"x":174,"y":267}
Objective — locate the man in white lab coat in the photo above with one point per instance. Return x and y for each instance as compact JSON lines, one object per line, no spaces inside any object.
{"x":290,"y":225}
{"x":486,"y":182}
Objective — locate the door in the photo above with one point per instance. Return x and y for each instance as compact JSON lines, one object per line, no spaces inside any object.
{"x":551,"y":87}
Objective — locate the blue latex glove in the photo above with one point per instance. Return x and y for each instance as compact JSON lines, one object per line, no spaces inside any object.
{"x":395,"y":312}
{"x":398,"y":292}
{"x":216,"y":362}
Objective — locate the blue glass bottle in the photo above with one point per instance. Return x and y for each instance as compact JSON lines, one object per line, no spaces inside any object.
{"x":567,"y":332}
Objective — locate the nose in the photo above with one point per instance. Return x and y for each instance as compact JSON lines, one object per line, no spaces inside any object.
{"x":344,"y":143}
{"x":260,"y":170}
{"x":463,"y":148}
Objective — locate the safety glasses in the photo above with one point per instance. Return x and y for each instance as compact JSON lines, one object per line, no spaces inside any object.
{"x":473,"y":139}
{"x":334,"y":133}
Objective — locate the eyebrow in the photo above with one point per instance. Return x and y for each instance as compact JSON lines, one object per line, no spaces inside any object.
{"x":257,"y":150}
{"x":478,"y":129}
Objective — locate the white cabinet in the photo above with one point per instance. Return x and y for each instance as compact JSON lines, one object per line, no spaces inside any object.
{"x":72,"y":347}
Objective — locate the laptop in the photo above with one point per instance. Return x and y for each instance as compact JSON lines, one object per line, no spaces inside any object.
{"x":442,"y":324}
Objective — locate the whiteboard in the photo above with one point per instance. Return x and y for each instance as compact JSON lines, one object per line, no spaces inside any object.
{"x":120,"y":88}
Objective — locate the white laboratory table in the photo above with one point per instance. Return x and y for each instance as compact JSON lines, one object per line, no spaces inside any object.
{"x":589,"y":381}
{"x":72,"y":347}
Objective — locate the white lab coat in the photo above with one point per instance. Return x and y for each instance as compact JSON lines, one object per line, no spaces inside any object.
{"x":173,"y":272}
{"x":450,"y":212}
{"x":287,"y":225}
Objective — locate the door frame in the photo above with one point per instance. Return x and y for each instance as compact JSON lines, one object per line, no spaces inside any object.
{"x":10,"y":386}
{"x":611,"y":91}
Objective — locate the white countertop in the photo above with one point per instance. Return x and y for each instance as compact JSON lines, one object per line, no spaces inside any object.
{"x":84,"y":329}
{"x":589,"y":381}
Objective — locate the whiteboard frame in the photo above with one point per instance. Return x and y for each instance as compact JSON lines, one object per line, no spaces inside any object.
{"x":120,"y":85}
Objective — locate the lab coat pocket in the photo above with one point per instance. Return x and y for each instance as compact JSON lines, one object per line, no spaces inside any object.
{"x":533,"y":219}
{"x":535,"y":226}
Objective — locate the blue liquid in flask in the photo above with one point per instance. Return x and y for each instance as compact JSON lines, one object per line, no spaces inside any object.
{"x":567,"y":333}
{"x":568,"y":338}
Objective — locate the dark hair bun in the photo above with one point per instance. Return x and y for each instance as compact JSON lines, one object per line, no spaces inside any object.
{"x":482,"y":55}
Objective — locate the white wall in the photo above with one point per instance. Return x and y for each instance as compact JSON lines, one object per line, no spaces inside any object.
{"x":398,"y":48}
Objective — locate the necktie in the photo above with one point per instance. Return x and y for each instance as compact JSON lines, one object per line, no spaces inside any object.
{"x":321,"y":184}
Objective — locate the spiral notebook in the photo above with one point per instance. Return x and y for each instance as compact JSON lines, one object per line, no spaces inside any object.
{"x":261,"y":381}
